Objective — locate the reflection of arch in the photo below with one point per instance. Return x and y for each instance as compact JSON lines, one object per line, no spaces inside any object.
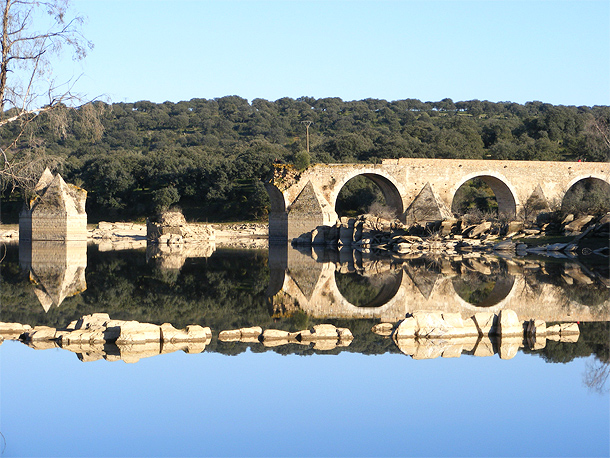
{"x":388,"y":186}
{"x":505,"y":194}
{"x":500,"y":291}
{"x":386,"y":293}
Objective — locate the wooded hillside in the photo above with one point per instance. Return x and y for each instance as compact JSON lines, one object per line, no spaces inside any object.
{"x":209,"y":156}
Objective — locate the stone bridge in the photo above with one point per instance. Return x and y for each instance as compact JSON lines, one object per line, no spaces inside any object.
{"x":303,"y":201}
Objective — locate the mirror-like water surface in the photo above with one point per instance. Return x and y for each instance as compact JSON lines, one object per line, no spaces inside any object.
{"x":372,"y":395}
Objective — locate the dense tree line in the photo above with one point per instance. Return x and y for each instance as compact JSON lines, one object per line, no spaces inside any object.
{"x":210,"y":156}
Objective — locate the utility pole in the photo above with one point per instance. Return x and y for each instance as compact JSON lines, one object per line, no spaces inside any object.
{"x":307,"y":124}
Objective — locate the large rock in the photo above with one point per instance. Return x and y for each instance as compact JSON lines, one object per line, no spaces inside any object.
{"x":479,"y":229}
{"x":509,"y":324}
{"x":578,"y":224}
{"x":406,"y":329}
{"x":132,"y":332}
{"x":430,"y":324}
{"x":485,"y":323}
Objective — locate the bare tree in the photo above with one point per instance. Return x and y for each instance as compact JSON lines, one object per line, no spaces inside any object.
{"x":33,"y":35}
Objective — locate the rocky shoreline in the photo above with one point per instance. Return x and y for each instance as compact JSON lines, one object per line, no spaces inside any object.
{"x":422,"y":335}
{"x":454,"y":236}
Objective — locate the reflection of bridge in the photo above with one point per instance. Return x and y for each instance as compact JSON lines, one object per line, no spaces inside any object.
{"x":302,"y":202}
{"x":299,"y":281}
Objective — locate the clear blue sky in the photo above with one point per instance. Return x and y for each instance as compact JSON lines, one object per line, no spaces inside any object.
{"x":553,"y":51}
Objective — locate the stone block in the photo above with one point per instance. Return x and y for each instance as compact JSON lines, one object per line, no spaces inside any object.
{"x":325,"y":331}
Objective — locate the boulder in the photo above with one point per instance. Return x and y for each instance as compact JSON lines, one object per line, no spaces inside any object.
{"x":506,"y":245}
{"x":509,"y":346}
{"x":251,"y":333}
{"x":453,"y":350}
{"x":479,"y":229}
{"x":275,"y":334}
{"x":325,"y":331}
{"x":200,"y":333}
{"x":578,"y":224}
{"x":454,"y":323}
{"x":509,"y":324}
{"x":232,"y":335}
{"x":569,"y":328}
{"x":406,"y":329}
{"x":484,"y":347}
{"x":514,"y":227}
{"x":345,"y":335}
{"x":171,"y":334}
{"x":383,"y":329}
{"x":134,"y":332}
{"x":430,"y":324}
{"x":485,"y":323}
{"x":41,"y":333}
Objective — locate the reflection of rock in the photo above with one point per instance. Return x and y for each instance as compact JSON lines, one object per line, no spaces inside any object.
{"x":57,"y":269}
{"x":174,"y":256}
{"x":242,"y":335}
{"x":97,"y":336}
{"x":323,"y":336}
{"x":432,"y":334}
{"x":56,"y":213}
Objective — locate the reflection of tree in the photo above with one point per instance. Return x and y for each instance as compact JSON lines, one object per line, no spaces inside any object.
{"x":596,"y":375}
{"x":474,"y":287}
{"x":357,"y":289}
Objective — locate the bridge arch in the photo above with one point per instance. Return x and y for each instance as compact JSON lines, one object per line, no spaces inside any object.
{"x":387,"y":184}
{"x":593,"y":195}
{"x":506,"y":194}
{"x":590,"y":176}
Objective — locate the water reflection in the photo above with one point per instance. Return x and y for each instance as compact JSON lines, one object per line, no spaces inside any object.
{"x":346,"y":284}
{"x":56,"y":268}
{"x":291,"y":291}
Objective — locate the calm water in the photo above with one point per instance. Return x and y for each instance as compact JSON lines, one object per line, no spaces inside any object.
{"x":244,"y":399}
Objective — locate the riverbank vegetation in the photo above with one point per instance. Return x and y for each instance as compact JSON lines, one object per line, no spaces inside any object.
{"x":210,"y":156}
